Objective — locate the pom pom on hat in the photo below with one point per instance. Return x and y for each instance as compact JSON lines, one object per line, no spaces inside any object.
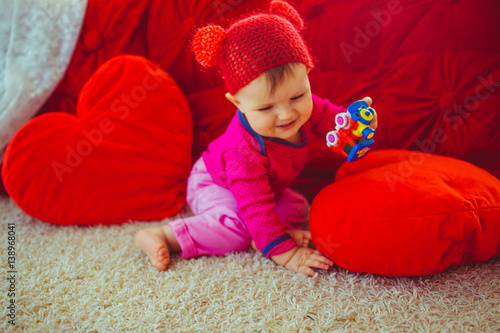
{"x":208,"y":45}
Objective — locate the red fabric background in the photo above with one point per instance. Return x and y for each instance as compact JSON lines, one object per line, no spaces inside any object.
{"x":426,"y":64}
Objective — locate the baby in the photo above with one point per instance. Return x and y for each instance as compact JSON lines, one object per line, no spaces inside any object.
{"x":239,"y":188}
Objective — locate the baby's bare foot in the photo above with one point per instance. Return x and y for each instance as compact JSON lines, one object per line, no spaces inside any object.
{"x":154,"y":243}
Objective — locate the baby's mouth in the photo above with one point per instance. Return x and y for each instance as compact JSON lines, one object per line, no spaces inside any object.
{"x":287,"y":125}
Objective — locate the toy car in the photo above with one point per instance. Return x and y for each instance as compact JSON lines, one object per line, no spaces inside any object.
{"x":353,"y":135}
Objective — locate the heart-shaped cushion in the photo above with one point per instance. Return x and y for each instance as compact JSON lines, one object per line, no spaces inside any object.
{"x":400,"y":213}
{"x":125,"y":156}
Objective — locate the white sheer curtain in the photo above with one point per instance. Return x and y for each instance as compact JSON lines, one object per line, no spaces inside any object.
{"x":37,"y":39}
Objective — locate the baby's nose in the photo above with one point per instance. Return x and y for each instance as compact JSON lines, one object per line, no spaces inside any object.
{"x":285,"y":112}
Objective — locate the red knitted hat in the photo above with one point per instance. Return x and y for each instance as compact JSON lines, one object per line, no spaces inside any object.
{"x":253,"y":45}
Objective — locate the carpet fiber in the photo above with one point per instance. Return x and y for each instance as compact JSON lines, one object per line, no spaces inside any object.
{"x":95,"y":279}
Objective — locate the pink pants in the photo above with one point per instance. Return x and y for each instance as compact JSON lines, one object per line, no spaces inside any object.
{"x":217,"y":227}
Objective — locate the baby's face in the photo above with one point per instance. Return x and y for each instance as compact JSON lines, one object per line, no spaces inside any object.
{"x":282,"y":114}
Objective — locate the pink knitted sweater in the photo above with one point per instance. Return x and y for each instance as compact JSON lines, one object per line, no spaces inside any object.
{"x":255,"y":169}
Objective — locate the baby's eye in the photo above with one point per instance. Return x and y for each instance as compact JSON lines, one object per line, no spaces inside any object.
{"x":297,"y":97}
{"x":266,"y":108}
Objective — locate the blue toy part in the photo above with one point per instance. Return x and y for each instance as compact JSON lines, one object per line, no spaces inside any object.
{"x":361,"y":112}
{"x":359,"y":150}
{"x":368,"y":133}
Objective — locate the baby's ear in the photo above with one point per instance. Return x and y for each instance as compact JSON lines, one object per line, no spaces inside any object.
{"x":232,"y":99}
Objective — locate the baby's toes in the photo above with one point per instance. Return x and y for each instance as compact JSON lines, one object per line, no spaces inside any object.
{"x":160,"y":266}
{"x":163,"y":252}
{"x":163,"y":258}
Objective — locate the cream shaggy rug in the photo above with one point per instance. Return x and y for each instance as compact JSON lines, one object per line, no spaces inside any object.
{"x":95,"y":279}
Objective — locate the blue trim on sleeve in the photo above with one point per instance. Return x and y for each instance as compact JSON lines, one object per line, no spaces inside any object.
{"x":257,"y":137}
{"x":275,"y":242}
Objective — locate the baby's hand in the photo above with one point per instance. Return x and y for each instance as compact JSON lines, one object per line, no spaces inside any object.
{"x":374,"y":123}
{"x":305,"y":259}
{"x":301,"y":237}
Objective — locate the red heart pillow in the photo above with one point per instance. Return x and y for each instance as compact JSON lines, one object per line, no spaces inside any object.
{"x":124,"y":156}
{"x":403,"y":213}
